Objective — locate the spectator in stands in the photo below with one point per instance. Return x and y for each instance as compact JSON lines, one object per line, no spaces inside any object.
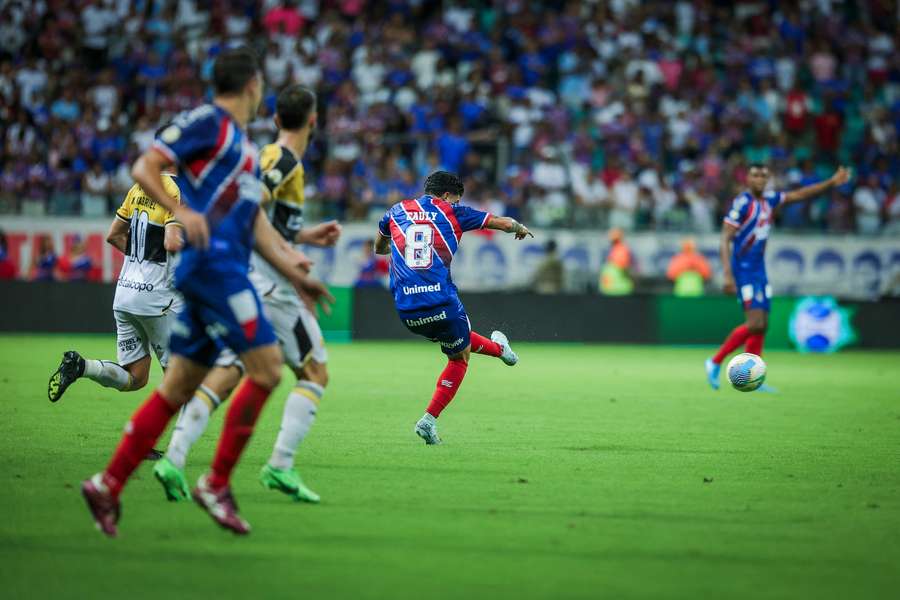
{"x":625,"y":195}
{"x":95,"y":188}
{"x":76,"y":265}
{"x":548,"y":276}
{"x":374,"y":269}
{"x":43,"y":267}
{"x":868,"y":200}
{"x":688,"y":270}
{"x":8,"y":269}
{"x":708,"y":85}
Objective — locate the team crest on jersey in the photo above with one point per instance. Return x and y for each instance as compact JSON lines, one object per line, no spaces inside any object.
{"x":171,"y":134}
{"x":275,"y":176}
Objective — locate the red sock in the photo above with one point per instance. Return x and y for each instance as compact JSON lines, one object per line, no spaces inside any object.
{"x":242,"y":414}
{"x":737,"y":337}
{"x":449,"y":381}
{"x":482,"y":345}
{"x":755,"y":344}
{"x":141,"y":432}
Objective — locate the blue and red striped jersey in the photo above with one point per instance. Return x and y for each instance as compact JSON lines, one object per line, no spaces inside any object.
{"x":425,"y":234}
{"x":753,"y":218}
{"x":218,"y":170}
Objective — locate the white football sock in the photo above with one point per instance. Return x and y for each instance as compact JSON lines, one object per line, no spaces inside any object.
{"x":299,"y":414}
{"x":192,"y":421}
{"x":108,"y":374}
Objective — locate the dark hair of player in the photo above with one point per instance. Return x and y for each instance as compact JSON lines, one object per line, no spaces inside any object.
{"x":294,"y":105}
{"x":758,"y":165}
{"x":233,"y":69}
{"x":441,"y":182}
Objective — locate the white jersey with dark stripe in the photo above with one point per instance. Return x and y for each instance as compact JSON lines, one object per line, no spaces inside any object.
{"x":218,"y":167}
{"x":753,"y":218}
{"x":425,"y":234}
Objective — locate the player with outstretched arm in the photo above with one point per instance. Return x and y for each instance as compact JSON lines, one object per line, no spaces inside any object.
{"x":745,"y":231}
{"x":422,"y":235}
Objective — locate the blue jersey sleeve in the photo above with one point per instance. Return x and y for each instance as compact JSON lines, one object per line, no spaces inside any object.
{"x":738,"y":211}
{"x":189,"y":134}
{"x":469,"y":218}
{"x":774,"y":198}
{"x":384,"y":225}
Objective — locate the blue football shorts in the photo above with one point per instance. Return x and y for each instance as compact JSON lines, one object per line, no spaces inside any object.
{"x":447,"y":325}
{"x":221,"y":310}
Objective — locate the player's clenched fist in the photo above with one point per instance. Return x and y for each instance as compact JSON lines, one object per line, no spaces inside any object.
{"x":195,"y":226}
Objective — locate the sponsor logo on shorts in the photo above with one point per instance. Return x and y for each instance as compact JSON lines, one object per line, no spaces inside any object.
{"x":139,"y":286}
{"x":452,"y":344}
{"x":421,"y":289}
{"x":129,"y":344}
{"x":441,"y":316}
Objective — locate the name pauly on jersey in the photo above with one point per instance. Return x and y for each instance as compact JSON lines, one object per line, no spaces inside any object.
{"x":422,"y":215}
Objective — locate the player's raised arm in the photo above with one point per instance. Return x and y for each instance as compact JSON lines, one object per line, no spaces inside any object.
{"x":271,"y":246}
{"x":509,"y":225}
{"x":840,"y":177}
{"x":726,"y":239}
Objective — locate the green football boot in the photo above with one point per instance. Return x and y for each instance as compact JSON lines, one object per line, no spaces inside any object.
{"x":289,"y":482}
{"x":172,"y":479}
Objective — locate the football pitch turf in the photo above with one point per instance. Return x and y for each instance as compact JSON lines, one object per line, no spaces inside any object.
{"x":583,"y":472}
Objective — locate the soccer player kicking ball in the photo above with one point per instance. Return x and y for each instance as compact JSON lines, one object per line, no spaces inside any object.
{"x":221,"y":194}
{"x":743,"y":244}
{"x":422,"y":236}
{"x":294,"y":323}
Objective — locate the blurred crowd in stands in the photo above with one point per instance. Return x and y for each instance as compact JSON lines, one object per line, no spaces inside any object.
{"x":616,"y":113}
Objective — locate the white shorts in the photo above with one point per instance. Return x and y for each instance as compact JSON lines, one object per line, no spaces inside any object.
{"x":297,"y":331}
{"x":137,"y":334}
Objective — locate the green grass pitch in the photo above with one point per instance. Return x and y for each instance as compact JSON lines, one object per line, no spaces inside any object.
{"x":584,"y":472}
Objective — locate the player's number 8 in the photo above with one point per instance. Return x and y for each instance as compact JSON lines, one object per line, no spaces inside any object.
{"x":419,"y":247}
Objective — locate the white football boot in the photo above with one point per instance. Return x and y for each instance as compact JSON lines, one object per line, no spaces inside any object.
{"x":426,"y":428}
{"x":508,"y":356}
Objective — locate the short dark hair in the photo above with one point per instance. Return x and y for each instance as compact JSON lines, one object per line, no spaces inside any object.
{"x":294,"y":105}
{"x":233,"y":69}
{"x":441,"y":182}
{"x":758,"y":165}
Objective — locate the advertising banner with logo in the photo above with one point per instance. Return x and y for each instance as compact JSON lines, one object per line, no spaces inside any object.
{"x":841,"y":266}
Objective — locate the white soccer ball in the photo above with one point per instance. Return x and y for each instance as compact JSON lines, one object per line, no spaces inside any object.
{"x":746,"y":372}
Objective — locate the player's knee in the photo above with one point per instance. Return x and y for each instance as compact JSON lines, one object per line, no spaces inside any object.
{"x":267,"y":375}
{"x":138,"y":381}
{"x":316,"y":373}
{"x":756,"y":326}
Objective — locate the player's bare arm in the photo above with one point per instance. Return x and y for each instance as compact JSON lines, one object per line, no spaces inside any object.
{"x":117,"y":236}
{"x":840,"y":177}
{"x":725,"y":242}
{"x":323,"y":235}
{"x":509,"y":225}
{"x":147,"y":171}
{"x":270,"y":245}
